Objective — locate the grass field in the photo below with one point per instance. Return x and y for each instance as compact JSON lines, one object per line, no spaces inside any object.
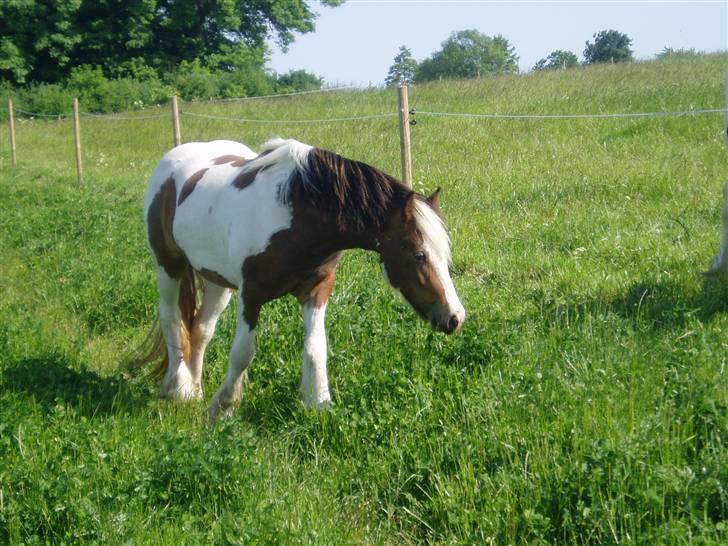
{"x":584,"y":402}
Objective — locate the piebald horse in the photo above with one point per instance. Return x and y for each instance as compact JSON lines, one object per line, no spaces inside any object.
{"x":275,"y":224}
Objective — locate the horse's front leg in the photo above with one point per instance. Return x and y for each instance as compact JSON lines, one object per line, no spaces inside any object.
{"x":314,"y":380}
{"x":227,"y":397}
{"x":314,"y":297}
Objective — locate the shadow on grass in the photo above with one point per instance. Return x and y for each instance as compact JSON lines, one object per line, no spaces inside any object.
{"x":656,"y":305}
{"x":54,"y":379}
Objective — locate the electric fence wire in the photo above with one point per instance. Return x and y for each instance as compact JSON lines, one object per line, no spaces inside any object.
{"x":573,"y":116}
{"x":419,"y":113}
{"x":122,"y":117}
{"x":290,"y":121}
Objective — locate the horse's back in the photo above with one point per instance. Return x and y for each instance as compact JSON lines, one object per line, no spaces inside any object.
{"x":184,"y":160}
{"x":214,"y":207}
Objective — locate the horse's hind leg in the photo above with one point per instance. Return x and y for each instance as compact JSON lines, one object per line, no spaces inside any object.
{"x":227,"y":397}
{"x":177,"y":381}
{"x":214,"y":301}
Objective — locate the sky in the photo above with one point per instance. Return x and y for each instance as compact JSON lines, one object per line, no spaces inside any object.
{"x":355,"y":43}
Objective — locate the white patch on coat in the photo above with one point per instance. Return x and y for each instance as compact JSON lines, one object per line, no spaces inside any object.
{"x":218,"y":226}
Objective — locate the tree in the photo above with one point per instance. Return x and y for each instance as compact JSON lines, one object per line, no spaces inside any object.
{"x":608,"y":46}
{"x":38,"y":39}
{"x":402,"y":72}
{"x":558,"y":59}
{"x":469,"y":54}
{"x":42,"y":40}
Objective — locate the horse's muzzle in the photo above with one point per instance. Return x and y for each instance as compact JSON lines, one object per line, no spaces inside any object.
{"x":451,"y":323}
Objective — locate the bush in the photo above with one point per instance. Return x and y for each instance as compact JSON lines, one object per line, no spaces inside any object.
{"x":89,"y":84}
{"x":669,"y":52}
{"x":46,"y":98}
{"x":192,"y":81}
{"x":297,"y":80}
{"x":135,"y":86}
{"x":128,"y":94}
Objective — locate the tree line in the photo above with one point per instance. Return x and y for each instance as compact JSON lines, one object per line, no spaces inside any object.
{"x":471,"y":54}
{"x":118,"y":55}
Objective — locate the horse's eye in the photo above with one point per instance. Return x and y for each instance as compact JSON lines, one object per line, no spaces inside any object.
{"x":420,"y":257}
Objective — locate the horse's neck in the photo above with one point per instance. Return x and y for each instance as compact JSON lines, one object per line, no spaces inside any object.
{"x":325,"y":233}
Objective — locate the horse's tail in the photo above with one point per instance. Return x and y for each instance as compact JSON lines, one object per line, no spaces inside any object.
{"x":154,"y":348}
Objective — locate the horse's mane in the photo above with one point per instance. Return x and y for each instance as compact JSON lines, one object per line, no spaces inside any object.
{"x":360,"y":197}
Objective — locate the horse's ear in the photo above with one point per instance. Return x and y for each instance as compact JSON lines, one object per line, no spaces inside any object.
{"x":409,"y":207}
{"x":434,"y":199}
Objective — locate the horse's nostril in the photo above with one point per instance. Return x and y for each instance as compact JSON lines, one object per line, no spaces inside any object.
{"x":453,"y":323}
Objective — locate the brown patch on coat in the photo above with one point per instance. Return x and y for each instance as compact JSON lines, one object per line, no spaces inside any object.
{"x":246,"y":178}
{"x":300,"y":260}
{"x":234,"y":160}
{"x":216,"y":278}
{"x":317,"y":288}
{"x":189,"y":185}
{"x":160,"y":219}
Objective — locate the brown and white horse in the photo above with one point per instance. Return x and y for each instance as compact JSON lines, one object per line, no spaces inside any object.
{"x":275,"y":224}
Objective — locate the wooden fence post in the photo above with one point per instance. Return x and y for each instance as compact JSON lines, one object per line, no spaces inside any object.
{"x":725,"y":114}
{"x":404,"y":137}
{"x":11,"y":120}
{"x":175,"y":122}
{"x":77,"y":139}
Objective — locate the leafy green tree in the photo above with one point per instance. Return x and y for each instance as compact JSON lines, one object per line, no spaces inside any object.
{"x":469,"y":54}
{"x":608,"y":46}
{"x":42,"y":40}
{"x":403,"y":70}
{"x":558,"y":59}
{"x":38,"y":39}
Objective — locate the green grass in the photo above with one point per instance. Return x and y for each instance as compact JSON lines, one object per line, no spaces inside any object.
{"x":584,"y":402}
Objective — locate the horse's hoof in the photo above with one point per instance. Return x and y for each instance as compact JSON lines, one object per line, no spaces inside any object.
{"x":323,"y":404}
{"x":182,"y":393}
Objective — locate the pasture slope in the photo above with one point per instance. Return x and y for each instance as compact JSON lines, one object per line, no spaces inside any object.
{"x":585,"y":401}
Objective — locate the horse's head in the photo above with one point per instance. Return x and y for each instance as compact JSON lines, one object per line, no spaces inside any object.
{"x":415,"y":255}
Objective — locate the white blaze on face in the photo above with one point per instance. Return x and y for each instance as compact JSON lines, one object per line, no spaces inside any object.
{"x":437,"y":246}
{"x":454,"y":307}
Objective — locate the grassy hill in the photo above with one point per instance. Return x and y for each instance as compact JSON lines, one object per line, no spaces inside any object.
{"x":584,"y":402}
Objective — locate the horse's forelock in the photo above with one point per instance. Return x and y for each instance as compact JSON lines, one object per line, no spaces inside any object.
{"x":433,"y":229}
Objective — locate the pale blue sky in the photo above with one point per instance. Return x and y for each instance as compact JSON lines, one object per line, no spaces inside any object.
{"x":354,"y":44}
